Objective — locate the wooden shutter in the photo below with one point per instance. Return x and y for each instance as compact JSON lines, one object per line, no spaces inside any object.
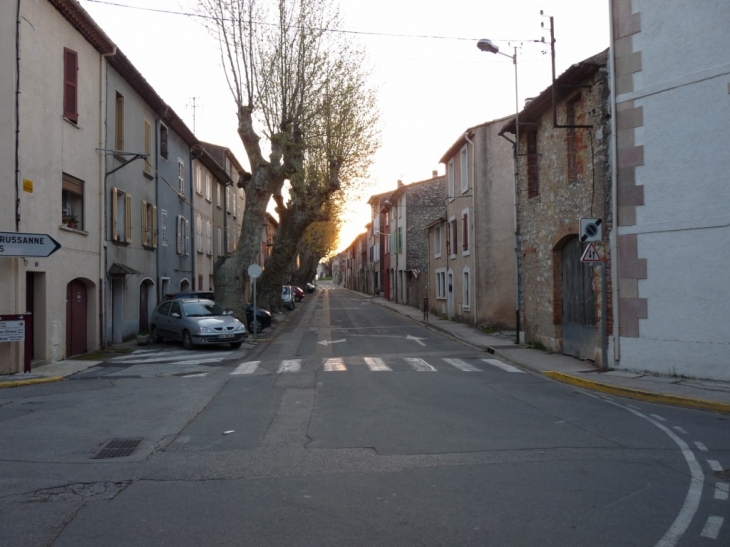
{"x":128,"y":218}
{"x":179,"y":234}
{"x":187,"y":236}
{"x":145,"y":236}
{"x":465,"y":231}
{"x":115,"y":220}
{"x":119,"y":123}
{"x":154,"y":227}
{"x":70,"y":84}
{"x":148,"y":147}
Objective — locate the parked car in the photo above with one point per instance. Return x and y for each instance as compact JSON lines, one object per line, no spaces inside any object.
{"x":263,"y":317}
{"x":207,"y":295}
{"x":196,"y":321}
{"x":298,"y":293}
{"x":310,"y":288}
{"x":287,"y":297}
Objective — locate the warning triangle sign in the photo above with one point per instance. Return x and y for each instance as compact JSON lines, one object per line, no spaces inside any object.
{"x":591,"y":254}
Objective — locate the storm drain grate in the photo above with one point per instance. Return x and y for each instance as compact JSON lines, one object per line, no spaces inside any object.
{"x":117,"y":448}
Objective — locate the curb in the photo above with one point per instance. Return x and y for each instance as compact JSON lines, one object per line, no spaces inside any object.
{"x":649,"y":396}
{"x":31,"y":381}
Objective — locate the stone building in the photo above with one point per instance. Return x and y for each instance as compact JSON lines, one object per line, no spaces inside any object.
{"x":412,"y":207}
{"x":564,"y":175}
{"x":377,"y":236}
{"x":471,"y":247}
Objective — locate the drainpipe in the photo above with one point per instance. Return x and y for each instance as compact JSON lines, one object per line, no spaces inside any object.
{"x":102,"y":193}
{"x":474,"y":217}
{"x":614,"y":197}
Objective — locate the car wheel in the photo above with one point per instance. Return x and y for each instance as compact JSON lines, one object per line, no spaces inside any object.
{"x":235,"y":345}
{"x":187,"y":340}
{"x":257,"y":325}
{"x":156,"y":338}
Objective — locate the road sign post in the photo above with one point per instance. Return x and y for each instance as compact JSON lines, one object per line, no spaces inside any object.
{"x":254,"y":271}
{"x":14,"y":328}
{"x":21,"y":244}
{"x":592,"y":256}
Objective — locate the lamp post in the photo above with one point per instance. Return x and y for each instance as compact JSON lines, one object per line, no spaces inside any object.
{"x":487,"y":45}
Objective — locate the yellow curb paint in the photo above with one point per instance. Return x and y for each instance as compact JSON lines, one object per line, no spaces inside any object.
{"x":31,"y":381}
{"x":649,"y":396}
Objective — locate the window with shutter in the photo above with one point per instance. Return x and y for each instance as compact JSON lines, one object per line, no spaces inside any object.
{"x":128,"y":218}
{"x":208,"y":185}
{"x":198,"y":233}
{"x":180,"y":229}
{"x":181,"y":177}
{"x":187,"y":237}
{"x":208,"y":238}
{"x":72,"y":202}
{"x":148,"y":148}
{"x":450,"y":175}
{"x":119,"y":123}
{"x":163,"y":141}
{"x":70,"y":85}
{"x":464,"y":166}
{"x":465,"y":231}
{"x":163,"y":223}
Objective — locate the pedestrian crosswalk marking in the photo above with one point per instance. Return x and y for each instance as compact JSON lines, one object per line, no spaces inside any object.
{"x":504,"y":366}
{"x":186,"y":357}
{"x":249,"y":367}
{"x":290,"y":365}
{"x":376,"y":364}
{"x":334,"y":364}
{"x":419,"y":364}
{"x":462,"y":365}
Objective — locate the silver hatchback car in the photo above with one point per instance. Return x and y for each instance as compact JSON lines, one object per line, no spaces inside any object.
{"x":196,"y":321}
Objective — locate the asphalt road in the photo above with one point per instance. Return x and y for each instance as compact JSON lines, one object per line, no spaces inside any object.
{"x":351,"y":427}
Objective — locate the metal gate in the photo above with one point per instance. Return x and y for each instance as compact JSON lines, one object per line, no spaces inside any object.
{"x":579,"y":309}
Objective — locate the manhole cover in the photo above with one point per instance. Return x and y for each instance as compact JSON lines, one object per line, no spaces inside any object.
{"x":117,"y":448}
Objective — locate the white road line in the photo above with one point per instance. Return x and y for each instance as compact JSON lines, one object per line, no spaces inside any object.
{"x":249,"y":367}
{"x":462,"y":365}
{"x":701,"y":446}
{"x":134,"y":357}
{"x":714,"y":465}
{"x":188,"y":355}
{"x":290,"y":365}
{"x":722,"y":489}
{"x":712,"y":527}
{"x":658,"y":417}
{"x":694,"y":493}
{"x":196,"y":375}
{"x":680,"y":429}
{"x":419,"y":364}
{"x":334,"y":364}
{"x":198,"y":361}
{"x":376,"y":364}
{"x":504,"y":366}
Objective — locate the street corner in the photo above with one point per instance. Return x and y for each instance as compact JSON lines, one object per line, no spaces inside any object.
{"x":640,"y":394}
{"x":18,"y":381}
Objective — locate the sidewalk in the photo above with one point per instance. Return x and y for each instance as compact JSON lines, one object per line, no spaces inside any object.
{"x":698,"y":394}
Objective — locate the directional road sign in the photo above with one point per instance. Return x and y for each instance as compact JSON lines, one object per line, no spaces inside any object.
{"x":591,"y":254}
{"x":20,"y":244}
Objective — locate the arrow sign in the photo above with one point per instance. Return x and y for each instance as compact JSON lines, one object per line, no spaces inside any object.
{"x":19,"y":244}
{"x":591,"y":254}
{"x":328,"y":342}
{"x":409,"y":337}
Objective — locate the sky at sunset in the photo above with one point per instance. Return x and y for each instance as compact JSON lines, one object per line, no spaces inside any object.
{"x":433,"y":83}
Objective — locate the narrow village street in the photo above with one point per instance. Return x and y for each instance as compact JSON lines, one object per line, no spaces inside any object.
{"x":326,"y":432}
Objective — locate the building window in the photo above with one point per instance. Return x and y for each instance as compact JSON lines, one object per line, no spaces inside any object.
{"x":451,"y":174}
{"x":464,"y":166}
{"x":466,"y":295}
{"x":121,"y":216}
{"x":208,"y":186}
{"x":183,"y":236}
{"x":465,"y":231}
{"x":180,"y":177}
{"x":228,"y":199}
{"x":72,"y":202}
{"x":163,"y":227}
{"x":148,"y":148}
{"x":441,"y":284}
{"x":70,"y":85}
{"x":208,"y":237}
{"x":570,"y":109}
{"x":119,"y":123}
{"x":199,"y":233}
{"x":218,"y":196}
{"x":437,"y":242}
{"x":163,"y":141}
{"x":234,"y":205}
{"x":533,"y":181}
{"x":453,"y":240}
{"x":149,"y":225}
{"x":198,"y":179}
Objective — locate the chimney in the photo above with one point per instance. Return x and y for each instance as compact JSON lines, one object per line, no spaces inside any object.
{"x":400,"y":183}
{"x":434,"y":173}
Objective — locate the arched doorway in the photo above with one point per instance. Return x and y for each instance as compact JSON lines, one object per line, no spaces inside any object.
{"x":76,"y":318}
{"x":184,"y":285}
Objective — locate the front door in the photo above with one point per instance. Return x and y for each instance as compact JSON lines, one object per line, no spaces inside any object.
{"x":75,"y":318}
{"x":579,"y":308}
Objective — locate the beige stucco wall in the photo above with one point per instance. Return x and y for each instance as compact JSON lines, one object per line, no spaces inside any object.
{"x":50,"y":146}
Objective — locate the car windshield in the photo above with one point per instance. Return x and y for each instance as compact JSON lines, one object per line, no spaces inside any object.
{"x":202,"y":308}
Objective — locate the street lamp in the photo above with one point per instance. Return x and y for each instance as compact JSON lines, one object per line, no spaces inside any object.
{"x":487,"y":45}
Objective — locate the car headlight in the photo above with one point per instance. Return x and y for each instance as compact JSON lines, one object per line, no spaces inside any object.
{"x":205,"y":330}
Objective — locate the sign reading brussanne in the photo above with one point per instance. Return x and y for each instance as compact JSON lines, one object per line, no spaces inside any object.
{"x":19,"y":244}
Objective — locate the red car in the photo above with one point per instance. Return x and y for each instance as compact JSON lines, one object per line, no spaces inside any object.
{"x":298,"y":293}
